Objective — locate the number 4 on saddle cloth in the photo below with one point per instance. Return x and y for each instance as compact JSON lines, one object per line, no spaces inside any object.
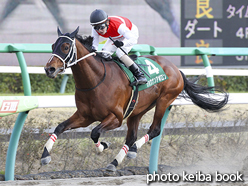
{"x":152,"y":68}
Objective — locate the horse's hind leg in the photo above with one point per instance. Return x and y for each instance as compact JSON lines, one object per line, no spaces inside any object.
{"x":155,"y":128}
{"x":133,"y":124}
{"x":131,"y":137}
{"x":73,"y":122}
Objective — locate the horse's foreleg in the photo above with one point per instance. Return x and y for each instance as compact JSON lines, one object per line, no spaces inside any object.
{"x":95,"y":135}
{"x":109,"y":123}
{"x":46,"y":158}
{"x":73,"y":122}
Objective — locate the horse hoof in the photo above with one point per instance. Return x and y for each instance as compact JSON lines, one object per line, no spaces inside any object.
{"x":131,"y":155}
{"x":46,"y":160}
{"x":111,"y":167}
{"x":105,"y":144}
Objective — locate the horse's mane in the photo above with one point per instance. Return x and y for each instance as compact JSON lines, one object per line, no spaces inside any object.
{"x":86,"y":41}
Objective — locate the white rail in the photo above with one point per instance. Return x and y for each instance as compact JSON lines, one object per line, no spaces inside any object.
{"x":186,"y":71}
{"x":69,"y":101}
{"x":31,"y":70}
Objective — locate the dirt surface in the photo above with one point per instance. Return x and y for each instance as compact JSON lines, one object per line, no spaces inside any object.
{"x":208,"y":153}
{"x":136,"y":180}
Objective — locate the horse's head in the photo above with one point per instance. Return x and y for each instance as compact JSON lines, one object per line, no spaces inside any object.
{"x":63,"y":55}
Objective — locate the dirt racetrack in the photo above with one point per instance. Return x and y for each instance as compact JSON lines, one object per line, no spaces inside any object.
{"x":136,"y":180}
{"x":210,"y":152}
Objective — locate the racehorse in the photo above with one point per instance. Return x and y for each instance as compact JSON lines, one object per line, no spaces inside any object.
{"x":103,"y":92}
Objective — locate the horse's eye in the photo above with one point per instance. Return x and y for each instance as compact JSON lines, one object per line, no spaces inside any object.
{"x":66,"y":47}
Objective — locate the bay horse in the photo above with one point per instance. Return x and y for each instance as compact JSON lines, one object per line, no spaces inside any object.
{"x":103,"y":92}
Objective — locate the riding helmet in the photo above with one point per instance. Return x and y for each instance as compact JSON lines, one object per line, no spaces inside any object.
{"x":98,"y":16}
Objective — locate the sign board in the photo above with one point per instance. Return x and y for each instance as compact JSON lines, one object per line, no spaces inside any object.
{"x":214,"y":23}
{"x":15,"y":104}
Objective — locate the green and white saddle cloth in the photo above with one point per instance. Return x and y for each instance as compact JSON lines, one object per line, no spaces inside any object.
{"x":152,"y":68}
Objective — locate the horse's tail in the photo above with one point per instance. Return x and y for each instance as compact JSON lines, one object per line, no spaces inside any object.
{"x":203,"y":96}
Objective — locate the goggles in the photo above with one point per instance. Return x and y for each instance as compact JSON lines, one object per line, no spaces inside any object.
{"x":100,"y":27}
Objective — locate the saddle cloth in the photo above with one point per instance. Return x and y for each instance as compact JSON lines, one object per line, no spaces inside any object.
{"x":152,"y":68}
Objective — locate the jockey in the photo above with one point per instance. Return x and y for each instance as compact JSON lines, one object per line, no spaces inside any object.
{"x":125,"y":34}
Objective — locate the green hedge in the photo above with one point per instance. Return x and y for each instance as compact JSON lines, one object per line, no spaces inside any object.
{"x":233,"y":83}
{"x":40,"y":83}
{"x":229,"y":83}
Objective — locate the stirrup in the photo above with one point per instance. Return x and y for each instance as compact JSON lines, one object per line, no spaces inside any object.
{"x":137,"y":82}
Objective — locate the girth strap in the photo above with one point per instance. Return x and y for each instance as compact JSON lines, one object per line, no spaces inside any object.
{"x":132,"y":102}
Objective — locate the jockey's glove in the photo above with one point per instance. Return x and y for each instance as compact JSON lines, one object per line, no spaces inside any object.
{"x":93,"y":49}
{"x":118,"y":43}
{"x":106,"y":56}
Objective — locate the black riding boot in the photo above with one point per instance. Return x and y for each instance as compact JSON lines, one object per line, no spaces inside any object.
{"x":140,"y":77}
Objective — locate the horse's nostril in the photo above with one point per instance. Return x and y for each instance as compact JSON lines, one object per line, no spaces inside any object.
{"x":51,"y":70}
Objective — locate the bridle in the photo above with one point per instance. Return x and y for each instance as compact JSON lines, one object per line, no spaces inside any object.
{"x":70,"y":59}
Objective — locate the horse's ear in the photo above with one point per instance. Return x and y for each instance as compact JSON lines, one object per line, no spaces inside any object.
{"x":59,"y":32}
{"x":73,"y":34}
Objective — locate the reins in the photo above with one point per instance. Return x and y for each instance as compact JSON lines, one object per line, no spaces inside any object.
{"x":104,"y":76}
{"x":89,"y":89}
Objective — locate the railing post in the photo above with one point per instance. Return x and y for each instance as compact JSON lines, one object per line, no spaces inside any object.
{"x":25,"y":76}
{"x":15,"y":136}
{"x":63,"y":84}
{"x":208,"y":68}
